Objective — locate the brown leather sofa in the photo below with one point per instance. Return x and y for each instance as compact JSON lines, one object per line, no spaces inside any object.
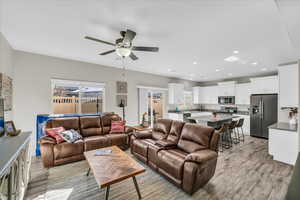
{"x":95,"y":131}
{"x":185,"y":153}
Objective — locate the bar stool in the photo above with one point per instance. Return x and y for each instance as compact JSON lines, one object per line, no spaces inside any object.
{"x":231,"y":128}
{"x":238,"y":126}
{"x":224,"y":140}
{"x":192,"y":121}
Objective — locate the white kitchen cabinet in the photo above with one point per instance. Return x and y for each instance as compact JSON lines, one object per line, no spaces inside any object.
{"x":176,"y":93}
{"x":226,"y":88}
{"x":242,"y":94}
{"x":264,"y":85}
{"x":283,"y":145}
{"x":288,"y":85}
{"x":246,"y":125}
{"x":196,"y":95}
{"x":205,"y":95}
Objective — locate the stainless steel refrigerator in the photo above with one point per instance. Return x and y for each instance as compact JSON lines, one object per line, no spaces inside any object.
{"x":263,"y":113}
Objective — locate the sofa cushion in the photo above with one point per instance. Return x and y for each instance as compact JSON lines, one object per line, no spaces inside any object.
{"x":175,"y":131}
{"x":90,"y":126}
{"x":195,"y":137}
{"x":70,"y":136}
{"x":55,"y":133}
{"x":172,"y":161}
{"x":66,"y":122}
{"x":64,"y":150}
{"x":161,"y":129}
{"x":95,"y":142}
{"x":117,"y":127}
{"x":117,"y":139}
{"x":106,"y":121}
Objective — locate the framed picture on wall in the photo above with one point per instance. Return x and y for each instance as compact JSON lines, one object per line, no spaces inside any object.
{"x":122,"y":87}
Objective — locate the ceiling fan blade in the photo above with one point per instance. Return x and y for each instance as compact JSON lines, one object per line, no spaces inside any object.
{"x":97,"y":40}
{"x":152,"y":49}
{"x":107,"y":52}
{"x":133,"y":56}
{"x":129,"y":35}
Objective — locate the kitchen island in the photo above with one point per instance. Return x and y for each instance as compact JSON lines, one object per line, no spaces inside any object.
{"x":213,"y":121}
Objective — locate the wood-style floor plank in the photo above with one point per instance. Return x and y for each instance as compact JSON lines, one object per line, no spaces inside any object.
{"x":243,"y":172}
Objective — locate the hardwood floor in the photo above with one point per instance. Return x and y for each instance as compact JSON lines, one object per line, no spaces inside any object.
{"x":244,"y":172}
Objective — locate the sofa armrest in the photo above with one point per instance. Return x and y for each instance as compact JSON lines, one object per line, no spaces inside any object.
{"x":47,"y":152}
{"x":143,"y":134}
{"x":128,"y":129}
{"x":47,"y":140}
{"x":201,"y":156}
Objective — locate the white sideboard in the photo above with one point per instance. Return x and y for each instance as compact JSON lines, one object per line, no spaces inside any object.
{"x":284,"y":142}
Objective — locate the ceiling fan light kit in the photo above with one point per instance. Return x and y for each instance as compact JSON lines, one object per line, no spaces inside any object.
{"x":123,"y":46}
{"x":123,"y":52}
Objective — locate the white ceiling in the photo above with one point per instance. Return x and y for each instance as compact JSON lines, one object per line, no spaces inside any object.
{"x":202,"y":31}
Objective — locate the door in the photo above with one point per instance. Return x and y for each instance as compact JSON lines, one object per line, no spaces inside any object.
{"x":269,"y":111}
{"x":255,"y":116}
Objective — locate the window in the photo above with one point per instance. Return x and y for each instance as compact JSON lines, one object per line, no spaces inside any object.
{"x":77,"y":97}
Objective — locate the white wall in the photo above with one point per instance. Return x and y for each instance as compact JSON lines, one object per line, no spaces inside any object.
{"x":6,"y":64}
{"x":32,"y":88}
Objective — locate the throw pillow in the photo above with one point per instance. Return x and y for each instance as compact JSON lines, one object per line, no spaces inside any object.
{"x":117,"y":127}
{"x":55,"y":133}
{"x":70,"y":136}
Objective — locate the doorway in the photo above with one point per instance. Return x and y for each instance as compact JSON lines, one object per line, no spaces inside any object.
{"x":152,"y":105}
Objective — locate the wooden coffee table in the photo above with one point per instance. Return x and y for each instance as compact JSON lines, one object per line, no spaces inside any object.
{"x":113,"y":168}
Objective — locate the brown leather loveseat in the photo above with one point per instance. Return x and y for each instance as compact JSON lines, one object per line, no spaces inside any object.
{"x":185,"y":153}
{"x":95,"y":131}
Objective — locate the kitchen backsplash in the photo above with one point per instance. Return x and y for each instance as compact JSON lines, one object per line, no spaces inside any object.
{"x":183,"y":107}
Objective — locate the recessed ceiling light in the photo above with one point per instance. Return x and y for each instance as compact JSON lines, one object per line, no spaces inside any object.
{"x":235,"y":52}
{"x":217,"y":70}
{"x":231,"y":59}
{"x":229,"y":74}
{"x":171,"y":70}
{"x":195,"y":63}
{"x":254,"y":63}
{"x":264,"y":69}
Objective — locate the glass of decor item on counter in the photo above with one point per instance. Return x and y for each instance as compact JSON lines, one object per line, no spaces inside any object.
{"x":293,"y":116}
{"x":214,"y":114}
{"x":10,"y":129}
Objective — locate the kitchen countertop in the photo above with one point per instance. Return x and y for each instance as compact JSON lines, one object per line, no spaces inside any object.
{"x":283,"y":126}
{"x":10,"y":147}
{"x":213,"y":119}
{"x":208,"y":110}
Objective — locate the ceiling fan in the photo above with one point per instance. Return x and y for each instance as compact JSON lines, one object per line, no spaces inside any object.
{"x":123,"y":46}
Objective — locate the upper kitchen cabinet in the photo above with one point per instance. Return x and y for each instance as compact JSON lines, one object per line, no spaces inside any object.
{"x":176,"y":93}
{"x":288,"y":85}
{"x":243,"y":93}
{"x":205,"y":95}
{"x":226,"y":88}
{"x":197,"y":95}
{"x":264,"y":85}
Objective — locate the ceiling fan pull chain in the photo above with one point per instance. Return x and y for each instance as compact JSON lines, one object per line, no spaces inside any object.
{"x":124,"y":70}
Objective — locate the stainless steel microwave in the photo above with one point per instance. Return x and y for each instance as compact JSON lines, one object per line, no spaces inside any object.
{"x":226,"y":100}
